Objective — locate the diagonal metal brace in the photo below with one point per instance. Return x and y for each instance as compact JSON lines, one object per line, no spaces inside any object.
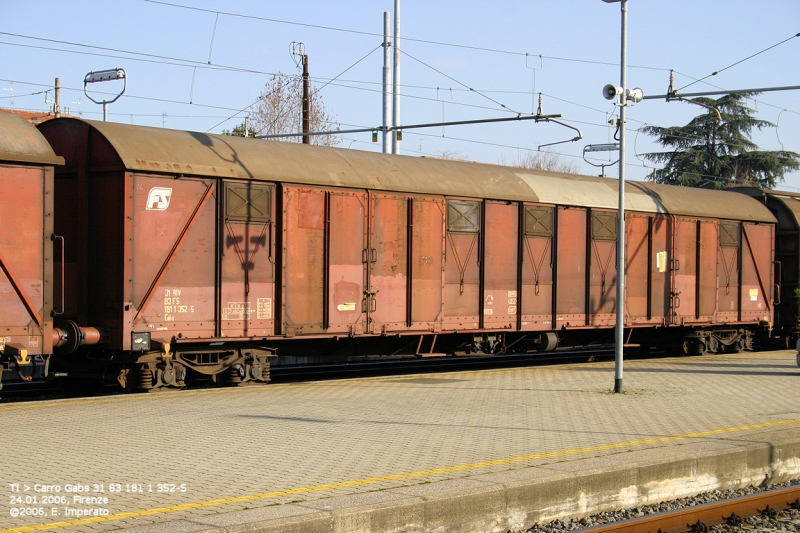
{"x":173,"y":252}
{"x":17,"y":286}
{"x":755,"y":264}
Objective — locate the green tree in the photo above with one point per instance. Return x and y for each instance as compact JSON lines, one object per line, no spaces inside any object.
{"x":238,"y":131}
{"x":716,"y":152}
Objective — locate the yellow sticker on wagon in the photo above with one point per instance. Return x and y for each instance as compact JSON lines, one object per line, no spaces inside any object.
{"x":349,"y":306}
{"x":661,"y":261}
{"x":753,"y":295}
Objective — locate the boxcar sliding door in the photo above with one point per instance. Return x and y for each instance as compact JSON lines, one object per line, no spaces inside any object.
{"x":707,"y":280}
{"x":346,"y":278}
{"x":172,"y":253}
{"x":426,"y":263}
{"x":646,"y":269}
{"x":500,"y":267}
{"x":537,"y":268}
{"x":758,"y":245}
{"x":684,"y":270}
{"x":571,"y":267}
{"x":303,"y":260}
{"x":388,"y":262}
{"x":603,"y":268}
{"x":248,"y":260}
{"x":462,"y":265}
{"x":728,"y":271}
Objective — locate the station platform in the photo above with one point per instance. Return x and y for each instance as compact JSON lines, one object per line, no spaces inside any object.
{"x":482,"y":451}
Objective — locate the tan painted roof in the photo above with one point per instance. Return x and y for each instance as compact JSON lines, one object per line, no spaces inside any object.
{"x":190,"y":153}
{"x":21,"y":142}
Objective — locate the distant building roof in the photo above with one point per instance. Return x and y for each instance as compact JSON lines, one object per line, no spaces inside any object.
{"x":34,"y":117}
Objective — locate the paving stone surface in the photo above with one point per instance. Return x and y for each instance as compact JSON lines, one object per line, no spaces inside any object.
{"x":197,"y":454}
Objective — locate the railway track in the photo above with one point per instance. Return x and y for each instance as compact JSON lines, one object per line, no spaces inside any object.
{"x":355,"y":369}
{"x":419,"y":365}
{"x":369,"y":368}
{"x":777,"y":509}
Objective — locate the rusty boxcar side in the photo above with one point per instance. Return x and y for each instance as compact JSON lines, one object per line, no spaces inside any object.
{"x":211,"y":253}
{"x":26,"y":250}
{"x":786,"y":274}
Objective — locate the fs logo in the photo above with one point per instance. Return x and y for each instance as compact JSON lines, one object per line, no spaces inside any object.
{"x":158,"y":198}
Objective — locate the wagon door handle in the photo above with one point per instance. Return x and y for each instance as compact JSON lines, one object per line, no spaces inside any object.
{"x":374,"y":254}
{"x":676,"y":301}
{"x":53,"y":238}
{"x":370,"y":295}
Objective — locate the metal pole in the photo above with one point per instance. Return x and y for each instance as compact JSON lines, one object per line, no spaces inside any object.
{"x":306,"y":106}
{"x":619,"y":332}
{"x":710,"y":93}
{"x":386,"y":77}
{"x":396,"y":78}
{"x":57,"y":108}
{"x":537,"y":118}
{"x":105,"y":111}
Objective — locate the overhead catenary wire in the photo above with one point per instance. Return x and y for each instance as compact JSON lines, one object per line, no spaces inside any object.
{"x":146,"y":58}
{"x":458,"y":82}
{"x":23,"y":95}
{"x":500,"y":145}
{"x":278,"y":74}
{"x":374,"y":34}
{"x":112,"y":114}
{"x":169,"y":60}
{"x":320,"y":88}
{"x":150,"y":98}
{"x":740,"y":61}
{"x":146,"y":98}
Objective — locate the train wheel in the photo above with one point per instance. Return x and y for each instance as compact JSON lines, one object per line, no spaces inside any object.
{"x":234,"y":376}
{"x":736,"y":346}
{"x":694,"y":347}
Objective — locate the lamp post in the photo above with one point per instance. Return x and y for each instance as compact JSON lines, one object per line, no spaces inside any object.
{"x":612,"y":92}
{"x":105,"y":75}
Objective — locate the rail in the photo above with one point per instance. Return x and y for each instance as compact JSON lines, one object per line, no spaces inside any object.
{"x":701,"y":517}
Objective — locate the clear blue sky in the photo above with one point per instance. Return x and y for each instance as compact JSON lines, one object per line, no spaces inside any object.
{"x":578,"y":39}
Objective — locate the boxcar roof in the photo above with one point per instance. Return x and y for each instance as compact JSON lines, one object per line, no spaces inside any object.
{"x":149,"y":149}
{"x":21,"y":142}
{"x":790,"y":199}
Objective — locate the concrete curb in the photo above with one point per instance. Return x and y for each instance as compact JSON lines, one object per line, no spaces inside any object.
{"x":517,"y":499}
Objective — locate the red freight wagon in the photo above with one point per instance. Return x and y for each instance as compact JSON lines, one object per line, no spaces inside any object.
{"x":786,"y":208}
{"x":213,"y":253}
{"x":26,"y":250}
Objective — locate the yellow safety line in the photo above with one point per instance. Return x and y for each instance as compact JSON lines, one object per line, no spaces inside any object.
{"x":405,"y":475}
